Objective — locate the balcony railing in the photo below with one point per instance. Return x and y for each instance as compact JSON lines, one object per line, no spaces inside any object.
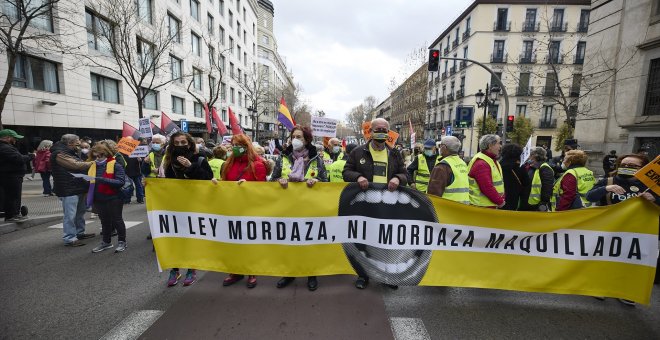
{"x":554,"y":59}
{"x":557,"y":27}
{"x":444,"y":75}
{"x":526,"y":91}
{"x":441,"y":100}
{"x":502,"y":26}
{"x":454,"y":44}
{"x":529,"y":58}
{"x":435,"y":102}
{"x":460,"y":94}
{"x":463,"y":64}
{"x":450,"y":97}
{"x":578,"y":60}
{"x":531,"y":26}
{"x":583,"y":27}
{"x":550,"y":91}
{"x":428,"y":105}
{"x":498,"y":58}
{"x":547,"y":123}
{"x":575,"y":91}
{"x":446,"y":50}
{"x":452,"y":70}
{"x":466,"y":35}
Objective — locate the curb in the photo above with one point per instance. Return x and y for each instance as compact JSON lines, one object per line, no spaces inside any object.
{"x":6,"y":228}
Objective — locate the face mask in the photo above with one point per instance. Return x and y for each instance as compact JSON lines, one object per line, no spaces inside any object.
{"x":336,"y":149}
{"x":101,"y":160}
{"x":84,"y":151}
{"x":626,"y":172}
{"x":428,"y":153}
{"x":155,"y":147}
{"x":563,"y":166}
{"x":200,"y":146}
{"x":180,"y":150}
{"x":238,"y":151}
{"x":380,"y":136}
{"x":297,"y":144}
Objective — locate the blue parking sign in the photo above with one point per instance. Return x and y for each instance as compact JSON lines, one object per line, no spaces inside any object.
{"x":184,"y":125}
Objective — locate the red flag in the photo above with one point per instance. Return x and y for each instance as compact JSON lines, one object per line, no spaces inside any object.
{"x":411,"y":128}
{"x":343,"y":144}
{"x":167,"y":125}
{"x":155,"y":129}
{"x":234,"y":123}
{"x":207,"y":114}
{"x":129,"y":130}
{"x":222,"y":129}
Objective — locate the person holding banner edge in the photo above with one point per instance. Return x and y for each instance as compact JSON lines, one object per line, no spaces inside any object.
{"x":485,"y":174}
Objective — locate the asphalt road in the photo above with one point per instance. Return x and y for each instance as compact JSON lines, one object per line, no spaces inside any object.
{"x":54,"y":292}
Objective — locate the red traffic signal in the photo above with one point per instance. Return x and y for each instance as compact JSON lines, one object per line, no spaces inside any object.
{"x":509,"y":123}
{"x":434,"y":60}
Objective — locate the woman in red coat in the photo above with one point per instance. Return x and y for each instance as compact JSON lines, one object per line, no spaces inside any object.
{"x":42,"y":165}
{"x":243,"y":165}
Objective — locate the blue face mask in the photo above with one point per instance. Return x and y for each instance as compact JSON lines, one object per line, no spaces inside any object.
{"x":155,"y":147}
{"x":336,"y":149}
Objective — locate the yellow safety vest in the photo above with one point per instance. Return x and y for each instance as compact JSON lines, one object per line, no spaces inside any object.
{"x":476,"y":196}
{"x":423,"y":175}
{"x":459,"y":189}
{"x":327,"y":159}
{"x":152,"y":164}
{"x":335,"y":170}
{"x":585,"y":181}
{"x":216,"y":165}
{"x":535,"y":193}
{"x":312,"y":171}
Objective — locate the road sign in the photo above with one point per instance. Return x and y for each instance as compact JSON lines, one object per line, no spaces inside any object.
{"x":184,"y":125}
{"x":448,"y":131}
{"x":464,"y":116}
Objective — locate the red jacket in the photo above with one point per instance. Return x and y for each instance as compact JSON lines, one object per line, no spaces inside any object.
{"x":239,"y":168}
{"x":569,"y":192}
{"x":42,"y":161}
{"x":481,"y":173}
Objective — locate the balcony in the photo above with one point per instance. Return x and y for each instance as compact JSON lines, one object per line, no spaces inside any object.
{"x":454,"y":44}
{"x":498,"y":58}
{"x":446,"y":50}
{"x":559,"y":27}
{"x":444,"y":75}
{"x":428,"y":105}
{"x":527,"y":58}
{"x":583,"y":27}
{"x":452,"y":70}
{"x":466,"y":34}
{"x":462,"y":64}
{"x":441,"y":100}
{"x":450,"y":97}
{"x":547,"y":123}
{"x":525,"y":91}
{"x":531,"y":26}
{"x":460,"y":94}
{"x":578,"y":60}
{"x":434,"y":103}
{"x":502,"y":26}
{"x":554,"y":59}
{"x":437,"y":80}
{"x":574,"y":92}
{"x":550,"y":91}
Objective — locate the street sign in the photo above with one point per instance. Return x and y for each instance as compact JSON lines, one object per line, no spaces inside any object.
{"x":464,"y":116}
{"x":184,"y":125}
{"x":448,"y":131}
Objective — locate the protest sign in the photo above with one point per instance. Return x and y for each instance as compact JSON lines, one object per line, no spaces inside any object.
{"x":324,"y":127}
{"x":145,"y":127}
{"x":127,"y":145}
{"x":141,"y":151}
{"x":650,"y":175}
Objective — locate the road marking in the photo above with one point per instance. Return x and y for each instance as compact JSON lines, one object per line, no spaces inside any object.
{"x":129,"y":224}
{"x":409,"y":329}
{"x":133,"y":325}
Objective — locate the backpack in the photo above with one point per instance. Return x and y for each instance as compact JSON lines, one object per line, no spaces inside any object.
{"x":126,"y":191}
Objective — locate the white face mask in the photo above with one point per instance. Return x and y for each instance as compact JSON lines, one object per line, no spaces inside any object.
{"x":563,"y":166}
{"x":84,"y":151}
{"x":336,"y":149}
{"x":297,"y":144}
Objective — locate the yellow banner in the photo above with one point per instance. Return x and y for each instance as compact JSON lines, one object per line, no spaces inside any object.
{"x":402,"y":237}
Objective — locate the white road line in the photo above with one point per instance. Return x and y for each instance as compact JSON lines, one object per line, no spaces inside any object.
{"x":133,"y":325}
{"x":129,"y":224}
{"x":409,"y":329}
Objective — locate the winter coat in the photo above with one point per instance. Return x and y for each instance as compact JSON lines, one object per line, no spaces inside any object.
{"x":361,"y":163}
{"x":65,"y":183}
{"x":42,"y":161}
{"x":12,"y":162}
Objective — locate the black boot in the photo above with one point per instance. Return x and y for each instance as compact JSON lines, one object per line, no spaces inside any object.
{"x":312,"y":283}
{"x":283,"y":282}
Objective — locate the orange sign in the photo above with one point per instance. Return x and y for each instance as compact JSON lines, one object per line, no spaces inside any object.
{"x":391,"y":135}
{"x":650,"y":175}
{"x":365,"y":130}
{"x":127,"y":145}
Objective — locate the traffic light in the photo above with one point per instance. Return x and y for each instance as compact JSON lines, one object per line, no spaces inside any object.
{"x":434,"y":60}
{"x":509,"y":123}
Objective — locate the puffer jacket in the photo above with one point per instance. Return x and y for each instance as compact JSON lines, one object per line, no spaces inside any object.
{"x":65,"y":183}
{"x":12,"y":162}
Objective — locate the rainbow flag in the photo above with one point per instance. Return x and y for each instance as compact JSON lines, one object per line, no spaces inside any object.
{"x":285,"y":117}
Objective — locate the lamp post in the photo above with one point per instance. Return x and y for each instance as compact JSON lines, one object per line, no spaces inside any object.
{"x":251,"y":111}
{"x":486,"y":100}
{"x":397,"y":126}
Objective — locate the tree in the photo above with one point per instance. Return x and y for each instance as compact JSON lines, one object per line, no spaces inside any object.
{"x":491,"y":126}
{"x":360,"y":114}
{"x":522,"y":130}
{"x":565,"y":132}
{"x":136,"y":52}
{"x":257,"y":89}
{"x":28,"y":25}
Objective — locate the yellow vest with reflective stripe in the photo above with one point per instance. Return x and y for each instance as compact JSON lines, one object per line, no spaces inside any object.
{"x":459,"y":189}
{"x":423,"y":175}
{"x":216,"y":165}
{"x":535,"y":193}
{"x":312,"y":171}
{"x":327,"y":158}
{"x":152,"y":164}
{"x":335,"y":170}
{"x":476,"y":196}
{"x":585,"y":181}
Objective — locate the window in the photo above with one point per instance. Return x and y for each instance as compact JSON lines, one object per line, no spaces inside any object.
{"x":521,"y":110}
{"x":652,"y":100}
{"x":530,"y":20}
{"x":265,"y":40}
{"x":37,"y":74}
{"x":493,"y":80}
{"x":254,"y":29}
{"x":240,"y":98}
{"x":224,"y":115}
{"x":579,"y":52}
{"x":467,"y":25}
{"x":144,"y":10}
{"x":493,"y":111}
{"x":198,"y":110}
{"x":210,"y":24}
{"x":174,"y":27}
{"x":583,"y":26}
{"x":238,"y":5}
{"x":238,"y":54}
{"x":465,"y":52}
{"x":223,"y":95}
{"x":232,"y":97}
{"x":498,"y":51}
{"x":150,"y":99}
{"x":245,"y":59}
{"x":178,"y":105}
{"x":547,"y":112}
{"x":231,"y":44}
{"x":550,"y":84}
{"x":244,"y":14}
{"x":98,"y":32}
{"x":104,"y":89}
{"x":553,"y":52}
{"x":43,"y":21}
{"x":231,"y":19}
{"x":212,"y":84}
{"x":575,"y":87}
{"x":523,"y":84}
{"x":223,"y":61}
{"x":528,"y":48}
{"x":146,"y":54}
{"x":222,"y":35}
{"x":197,"y":79}
{"x":194,"y":9}
{"x":222,"y":7}
{"x":238,"y":29}
{"x":501,"y":23}
{"x":240,"y":75}
{"x":244,"y":37}
{"x":231,"y":70}
{"x":175,"y":68}
{"x":194,"y":44}
{"x":557,"y":19}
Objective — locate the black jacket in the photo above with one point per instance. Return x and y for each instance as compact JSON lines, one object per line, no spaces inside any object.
{"x":199,"y":169}
{"x":360,"y":163}
{"x":65,"y":183}
{"x":633,"y":187}
{"x":12,"y":162}
{"x":516,"y":182}
{"x":414,"y":165}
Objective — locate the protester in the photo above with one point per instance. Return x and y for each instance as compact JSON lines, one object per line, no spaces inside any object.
{"x":84,"y":149}
{"x":151,"y":164}
{"x":71,"y":190}
{"x":219,"y":156}
{"x":485,"y":174}
{"x":543,"y":178}
{"x":133,"y":168}
{"x":571,"y":189}
{"x":12,"y":170}
{"x":556,"y":162}
{"x":609,"y":162}
{"x":183,"y":161}
{"x":515,"y":178}
{"x":333,"y":152}
{"x":108,"y":177}
{"x":548,"y":151}
{"x":420,"y":169}
{"x":337,"y":167}
{"x":42,"y":166}
{"x":243,"y":165}
{"x":300,"y":162}
{"x":449,"y":178}
{"x":202,"y":149}
{"x":407,"y":157}
{"x":375,"y":162}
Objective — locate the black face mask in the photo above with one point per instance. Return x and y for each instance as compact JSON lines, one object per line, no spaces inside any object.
{"x":180,"y":150}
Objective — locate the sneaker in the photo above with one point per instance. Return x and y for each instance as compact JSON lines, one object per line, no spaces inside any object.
{"x":252,"y":281}
{"x":174,"y":278}
{"x":85,"y":236}
{"x":627,"y":302}
{"x":231,"y":279}
{"x":191,"y":277}
{"x":93,"y":216}
{"x":17,"y":219}
{"x":75,"y":243}
{"x":101,"y":247}
{"x":121,"y":246}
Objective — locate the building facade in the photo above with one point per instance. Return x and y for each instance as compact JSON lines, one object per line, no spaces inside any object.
{"x":535,"y":47}
{"x":624,"y":107}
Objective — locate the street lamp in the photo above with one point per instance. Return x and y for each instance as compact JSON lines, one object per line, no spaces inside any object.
{"x":486,"y":100}
{"x":252,"y":111}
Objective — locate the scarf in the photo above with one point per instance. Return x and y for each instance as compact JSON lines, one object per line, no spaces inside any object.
{"x":298,"y":169}
{"x":104,"y":188}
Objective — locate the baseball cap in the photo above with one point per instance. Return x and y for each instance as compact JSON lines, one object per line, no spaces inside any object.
{"x":429,"y":143}
{"x":9,"y":133}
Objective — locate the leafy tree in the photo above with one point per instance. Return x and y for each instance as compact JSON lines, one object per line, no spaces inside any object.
{"x":522,"y":130}
{"x":564,"y":132}
{"x":491,"y":126}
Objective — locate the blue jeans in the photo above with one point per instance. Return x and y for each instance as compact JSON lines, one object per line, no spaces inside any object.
{"x":74,"y":217}
{"x":45,"y":177}
{"x":139,"y":190}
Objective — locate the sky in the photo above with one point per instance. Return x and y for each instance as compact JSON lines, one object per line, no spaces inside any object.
{"x":342,"y":51}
